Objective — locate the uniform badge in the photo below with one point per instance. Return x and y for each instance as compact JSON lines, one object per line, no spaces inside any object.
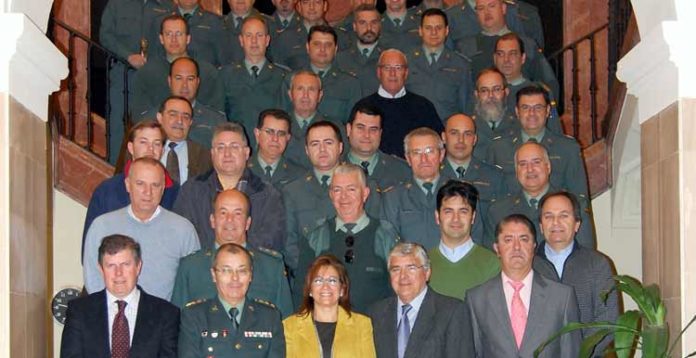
{"x":225,"y":333}
{"x":214,"y":334}
{"x":255,"y":334}
{"x":204,"y":334}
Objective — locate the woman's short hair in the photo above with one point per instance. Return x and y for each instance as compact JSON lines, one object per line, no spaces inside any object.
{"x":325,"y":261}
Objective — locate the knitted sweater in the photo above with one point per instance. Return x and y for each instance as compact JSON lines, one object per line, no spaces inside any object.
{"x":455,"y":278}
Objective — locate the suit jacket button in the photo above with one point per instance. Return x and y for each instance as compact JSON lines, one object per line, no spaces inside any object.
{"x":238,"y":346}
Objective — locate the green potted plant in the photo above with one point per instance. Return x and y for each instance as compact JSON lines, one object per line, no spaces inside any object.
{"x":644,"y":329}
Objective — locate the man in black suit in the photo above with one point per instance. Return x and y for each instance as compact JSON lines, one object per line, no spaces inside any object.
{"x":419,"y":322}
{"x":121,"y":320}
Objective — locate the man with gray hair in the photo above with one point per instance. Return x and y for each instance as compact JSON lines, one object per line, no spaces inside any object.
{"x":410,"y":207}
{"x":361,"y":241}
{"x":230,"y":153}
{"x":419,"y":322}
{"x":403,"y":110}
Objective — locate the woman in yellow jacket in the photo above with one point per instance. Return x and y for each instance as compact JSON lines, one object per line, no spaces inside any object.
{"x":325,"y":327}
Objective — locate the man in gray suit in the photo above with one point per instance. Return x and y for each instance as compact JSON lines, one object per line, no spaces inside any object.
{"x":418,"y":322}
{"x":535,"y":307}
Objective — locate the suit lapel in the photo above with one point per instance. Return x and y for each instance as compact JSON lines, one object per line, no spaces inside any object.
{"x":536,"y":310}
{"x":424,"y":323}
{"x":100,"y":319}
{"x":144,"y":324}
{"x":497,"y":299}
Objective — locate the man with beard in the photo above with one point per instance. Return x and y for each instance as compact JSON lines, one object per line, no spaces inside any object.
{"x":360,"y":58}
{"x":489,"y":112}
{"x":533,"y":109}
{"x":346,"y":25}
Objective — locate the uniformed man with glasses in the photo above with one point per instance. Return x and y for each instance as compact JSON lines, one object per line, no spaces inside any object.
{"x":490,"y":110}
{"x":410,"y":207}
{"x":231,"y":323}
{"x":358,"y":239}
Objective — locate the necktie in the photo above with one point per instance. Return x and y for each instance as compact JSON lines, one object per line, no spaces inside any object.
{"x":321,"y":74}
{"x":304,"y":123}
{"x":460,"y":172}
{"x":233,"y":317}
{"x":349,"y":228}
{"x":532,"y":140}
{"x":492,"y":126}
{"x":366,"y":52}
{"x":173,"y":163}
{"x":120,"y":334}
{"x":268,"y":169}
{"x":325,"y":181}
{"x":397,"y":22}
{"x":238,"y":22}
{"x":366,"y":167}
{"x":403,"y":331}
{"x":533,"y":203}
{"x":285,"y":23}
{"x":518,"y":313}
{"x":433,"y":58}
{"x":429,"y":188}
{"x":187,"y":17}
{"x":255,"y":70}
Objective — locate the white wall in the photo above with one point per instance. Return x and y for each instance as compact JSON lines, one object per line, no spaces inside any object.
{"x":68,"y":218}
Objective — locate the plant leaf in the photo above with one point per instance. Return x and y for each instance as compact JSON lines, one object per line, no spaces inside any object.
{"x":573,"y":326}
{"x":589,"y":343}
{"x":678,"y":338}
{"x":624,"y":340}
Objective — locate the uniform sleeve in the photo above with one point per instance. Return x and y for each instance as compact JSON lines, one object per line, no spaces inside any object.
{"x":73,"y":334}
{"x":170,"y":334}
{"x":292,"y":248}
{"x":189,"y":336}
{"x":283,"y":297}
{"x":277,"y":349}
{"x":466,"y":90}
{"x":575,"y":175}
{"x":90,"y":267}
{"x":180,"y":294}
{"x":107,"y":31}
{"x":390,"y":209}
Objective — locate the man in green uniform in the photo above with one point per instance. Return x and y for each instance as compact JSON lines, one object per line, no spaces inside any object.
{"x":341,"y":90}
{"x":290,"y":46}
{"x":230,"y":220}
{"x":284,"y":16}
{"x":305,"y":93}
{"x":230,"y":323}
{"x":438,"y":73}
{"x":360,"y":57}
{"x":365,"y":134}
{"x":399,"y":26}
{"x":410,"y":207}
{"x":533,"y":168}
{"x":239,"y":10}
{"x":183,"y":81}
{"x":361,"y":241}
{"x":272,"y":134}
{"x":206,"y":29}
{"x":490,"y":111}
{"x":254,"y":83}
{"x":124,"y":30}
{"x":346,"y":25}
{"x":533,"y":109}
{"x":150,"y":86}
{"x":458,"y":263}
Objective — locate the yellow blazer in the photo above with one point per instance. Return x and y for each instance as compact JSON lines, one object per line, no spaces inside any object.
{"x":353,"y":338}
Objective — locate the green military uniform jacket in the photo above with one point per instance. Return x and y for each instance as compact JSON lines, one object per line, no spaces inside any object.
{"x":232,"y":49}
{"x":447,"y":83}
{"x":275,"y":25}
{"x":341,"y":92}
{"x":285,"y":172}
{"x":404,"y":36}
{"x":361,"y":67}
{"x":125,"y":23}
{"x":205,"y":119}
{"x":206,"y":29}
{"x":554,"y":121}
{"x":246,"y":96}
{"x":150,"y":87}
{"x":507,"y":126}
{"x":289,"y":47}
{"x":295,"y":151}
{"x":517,"y":204}
{"x":389,"y":171}
{"x":567,"y":165}
{"x":269,"y":283}
{"x":207,"y":331}
{"x":412,"y":213}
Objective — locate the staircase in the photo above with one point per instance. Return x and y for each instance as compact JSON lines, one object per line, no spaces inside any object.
{"x":589,"y":109}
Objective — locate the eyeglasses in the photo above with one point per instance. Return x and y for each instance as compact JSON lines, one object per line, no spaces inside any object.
{"x":397,"y":68}
{"x":421,"y":151}
{"x":410,"y":269}
{"x":349,"y":256}
{"x":320,"y":281}
{"x":272,"y":132}
{"x":485,"y":91}
{"x":537,"y":108}
{"x":228,"y":271}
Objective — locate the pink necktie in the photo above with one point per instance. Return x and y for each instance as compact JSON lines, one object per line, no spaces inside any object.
{"x":518,"y":313}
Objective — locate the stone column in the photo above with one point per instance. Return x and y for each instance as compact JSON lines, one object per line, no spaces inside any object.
{"x":30,"y":69}
{"x":660,"y":72}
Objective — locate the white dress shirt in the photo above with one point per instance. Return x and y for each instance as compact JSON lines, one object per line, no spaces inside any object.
{"x":415,"y":307}
{"x":131,"y":311}
{"x":181,"y":150}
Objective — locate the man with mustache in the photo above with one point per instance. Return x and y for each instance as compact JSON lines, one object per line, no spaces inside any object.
{"x":533,"y":109}
{"x":360,"y":58}
{"x":490,"y":112}
{"x":533,"y":169}
{"x":230,"y":220}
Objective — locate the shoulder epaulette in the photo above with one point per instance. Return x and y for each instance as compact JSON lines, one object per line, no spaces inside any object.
{"x":309,"y":177}
{"x":385,"y":190}
{"x":281,"y":66}
{"x":497,"y":137}
{"x":195,"y":302}
{"x":270,"y":252}
{"x":264,"y":302}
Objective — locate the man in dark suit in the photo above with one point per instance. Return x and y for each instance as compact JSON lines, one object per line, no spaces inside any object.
{"x":419,"y":322}
{"x":516,"y":311}
{"x":182,"y":161}
{"x":121,"y":320}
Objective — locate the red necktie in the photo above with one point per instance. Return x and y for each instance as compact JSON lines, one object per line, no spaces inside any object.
{"x":518,"y":313}
{"x":120,"y":334}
